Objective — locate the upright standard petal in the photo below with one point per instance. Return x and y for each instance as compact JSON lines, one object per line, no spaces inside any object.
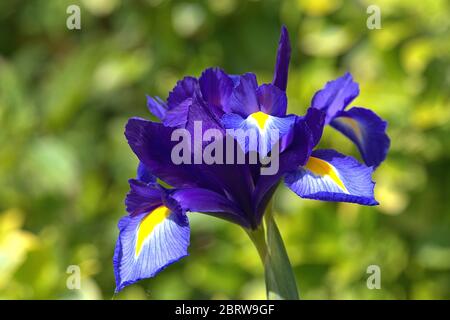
{"x":148,"y":243}
{"x":183,"y":90}
{"x":243,"y":100}
{"x":191,"y":111}
{"x":216,"y":87}
{"x":179,"y":101}
{"x":272,"y":100}
{"x":157,"y":107}
{"x":280,"y":76}
{"x":335,"y":96}
{"x":177,"y":116}
{"x":367,"y":131}
{"x":331,"y":176}
{"x":199,"y":112}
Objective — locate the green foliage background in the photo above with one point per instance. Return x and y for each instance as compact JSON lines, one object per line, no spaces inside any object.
{"x":65,"y":96}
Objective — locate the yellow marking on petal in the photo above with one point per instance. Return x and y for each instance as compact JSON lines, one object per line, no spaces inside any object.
{"x":260,"y":118}
{"x":149,"y":223}
{"x":352,"y":123}
{"x":322,"y":168}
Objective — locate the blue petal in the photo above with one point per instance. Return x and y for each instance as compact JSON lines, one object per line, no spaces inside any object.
{"x":232,"y":121}
{"x":315,"y":120}
{"x":290,"y":159}
{"x":157,"y":107}
{"x":183,"y":90}
{"x":152,"y":144}
{"x":272,"y":100}
{"x":190,"y":111}
{"x":143,"y":174}
{"x":148,"y":243}
{"x":367,"y":131}
{"x":142,"y":197}
{"x":209,"y":202}
{"x":177,"y":116}
{"x":216,"y":87}
{"x":179,"y":101}
{"x":259,"y":136}
{"x":235,"y":78}
{"x":280,"y":76}
{"x":335,"y":96}
{"x":243,"y":100}
{"x":331,"y":176}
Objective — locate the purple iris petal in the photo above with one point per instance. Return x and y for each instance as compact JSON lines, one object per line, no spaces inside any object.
{"x":152,"y":144}
{"x":367,"y":131}
{"x":235,"y":78}
{"x":157,"y":107}
{"x":143,"y":174}
{"x":209,"y":202}
{"x":142,"y":197}
{"x":232,"y":121}
{"x":188,"y":112}
{"x":181,"y":98}
{"x":295,"y":155}
{"x":258,"y":139}
{"x":177,"y":116}
{"x":199,"y":111}
{"x":216,"y":87}
{"x":280,"y":76}
{"x":272,"y":100}
{"x":224,"y":176}
{"x":183,"y":90}
{"x":335,"y":96}
{"x":315,"y":119}
{"x":165,"y":244}
{"x":331,"y":176}
{"x":243,"y":100}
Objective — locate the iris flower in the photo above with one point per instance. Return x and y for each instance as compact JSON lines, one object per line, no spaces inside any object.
{"x":155,"y":232}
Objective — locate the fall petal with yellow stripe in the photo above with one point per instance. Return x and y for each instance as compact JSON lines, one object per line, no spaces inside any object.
{"x":154,"y":235}
{"x":331,"y":176}
{"x":148,"y":243}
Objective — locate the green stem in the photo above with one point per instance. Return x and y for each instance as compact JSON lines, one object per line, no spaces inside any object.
{"x":280,"y":279}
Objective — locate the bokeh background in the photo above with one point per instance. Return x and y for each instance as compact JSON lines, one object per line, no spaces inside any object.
{"x":65,"y":96}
